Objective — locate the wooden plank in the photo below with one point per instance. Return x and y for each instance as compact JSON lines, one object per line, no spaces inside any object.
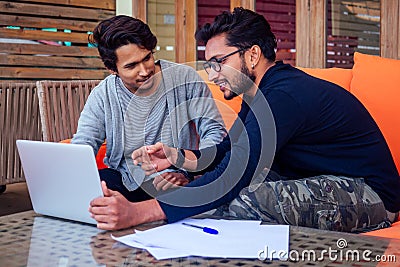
{"x":361,"y":7}
{"x":248,"y":4}
{"x":318,"y":29}
{"x":74,"y":37}
{"x":190,"y":29}
{"x":3,"y":115}
{"x":359,"y":34}
{"x":13,"y":102}
{"x":103,"y":4}
{"x":286,"y":45}
{"x":51,"y":73}
{"x":339,"y":17}
{"x":49,"y":61}
{"x":139,"y":9}
{"x":291,"y":2}
{"x":276,"y":7}
{"x":283,"y":18}
{"x":302,"y":34}
{"x":43,"y":10}
{"x":29,"y":21}
{"x":390,"y":29}
{"x":32,"y":49}
{"x":356,"y":26}
{"x":311,"y":33}
{"x":180,"y":31}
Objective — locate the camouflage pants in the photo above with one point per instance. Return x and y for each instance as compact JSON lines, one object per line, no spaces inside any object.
{"x":326,"y":202}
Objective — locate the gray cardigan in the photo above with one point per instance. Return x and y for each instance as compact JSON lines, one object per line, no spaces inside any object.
{"x":188,"y":98}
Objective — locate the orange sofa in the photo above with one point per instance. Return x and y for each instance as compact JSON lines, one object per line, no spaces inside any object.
{"x":375,"y":81}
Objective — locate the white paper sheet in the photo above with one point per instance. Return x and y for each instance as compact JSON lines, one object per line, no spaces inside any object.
{"x":236,"y":239}
{"x":158,"y":253}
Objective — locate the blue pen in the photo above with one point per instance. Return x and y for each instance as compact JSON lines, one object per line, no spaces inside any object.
{"x":207,"y":230}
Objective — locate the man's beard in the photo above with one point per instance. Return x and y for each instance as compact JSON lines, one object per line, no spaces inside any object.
{"x":244,"y":82}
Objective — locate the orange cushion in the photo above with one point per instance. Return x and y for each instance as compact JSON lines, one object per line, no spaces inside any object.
{"x":228,"y":108}
{"x":339,"y":76}
{"x":391,"y":232}
{"x":100,"y":154}
{"x":376,"y":83}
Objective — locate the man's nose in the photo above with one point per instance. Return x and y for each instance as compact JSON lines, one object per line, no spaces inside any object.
{"x":212,"y":75}
{"x":143,"y":70}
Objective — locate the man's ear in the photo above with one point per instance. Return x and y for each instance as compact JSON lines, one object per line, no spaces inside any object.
{"x":112,"y":72}
{"x":255,"y":55}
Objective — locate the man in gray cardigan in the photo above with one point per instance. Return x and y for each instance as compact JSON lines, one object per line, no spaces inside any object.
{"x":143,"y":102}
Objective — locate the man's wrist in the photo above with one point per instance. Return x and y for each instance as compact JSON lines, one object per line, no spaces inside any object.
{"x":180,"y":158}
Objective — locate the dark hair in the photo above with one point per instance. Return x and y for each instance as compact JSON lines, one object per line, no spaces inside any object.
{"x":112,"y":33}
{"x":243,"y":28}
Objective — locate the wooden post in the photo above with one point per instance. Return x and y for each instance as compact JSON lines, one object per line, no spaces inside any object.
{"x":311,"y":33}
{"x":139,"y":9}
{"x":248,"y":4}
{"x":390,"y":29}
{"x":185,"y":27}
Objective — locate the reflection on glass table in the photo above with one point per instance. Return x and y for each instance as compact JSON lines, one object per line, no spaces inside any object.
{"x":57,"y":242}
{"x":28,"y":239}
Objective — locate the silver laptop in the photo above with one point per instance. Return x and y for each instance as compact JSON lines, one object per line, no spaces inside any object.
{"x":62,"y":179}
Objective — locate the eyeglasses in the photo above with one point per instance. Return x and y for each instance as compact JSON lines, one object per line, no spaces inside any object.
{"x":215,"y":63}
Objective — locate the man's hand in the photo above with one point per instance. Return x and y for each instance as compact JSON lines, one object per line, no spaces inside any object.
{"x":114,"y":211}
{"x":170,"y":180}
{"x":154,"y":158}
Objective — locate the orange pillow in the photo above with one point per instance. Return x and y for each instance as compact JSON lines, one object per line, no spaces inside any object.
{"x":376,"y":83}
{"x":100,"y":154}
{"x":339,"y":76}
{"x":228,"y":108}
{"x":391,"y":232}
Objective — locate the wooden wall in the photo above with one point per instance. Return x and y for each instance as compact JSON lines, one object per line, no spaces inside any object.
{"x":206,"y":12}
{"x":48,"y":39}
{"x":281,"y":15}
{"x":161,"y":19}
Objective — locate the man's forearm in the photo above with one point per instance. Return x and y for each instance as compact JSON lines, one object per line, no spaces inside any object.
{"x":145,"y":212}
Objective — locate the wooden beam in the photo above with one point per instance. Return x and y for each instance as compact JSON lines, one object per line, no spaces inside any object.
{"x":139,"y":9}
{"x":390,"y":29}
{"x":104,"y":4}
{"x":39,"y":22}
{"x":191,"y":26}
{"x":248,"y":4}
{"x":180,"y":22}
{"x":47,"y":10}
{"x":51,"y":61}
{"x":185,"y":27}
{"x":311,"y":33}
{"x":44,"y":35}
{"x":52,"y":73}
{"x":32,"y":49}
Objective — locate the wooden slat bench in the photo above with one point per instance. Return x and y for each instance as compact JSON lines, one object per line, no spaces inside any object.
{"x":19,"y":119}
{"x":60,"y":104}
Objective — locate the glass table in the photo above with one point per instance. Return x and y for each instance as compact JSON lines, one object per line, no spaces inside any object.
{"x":29,"y":239}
